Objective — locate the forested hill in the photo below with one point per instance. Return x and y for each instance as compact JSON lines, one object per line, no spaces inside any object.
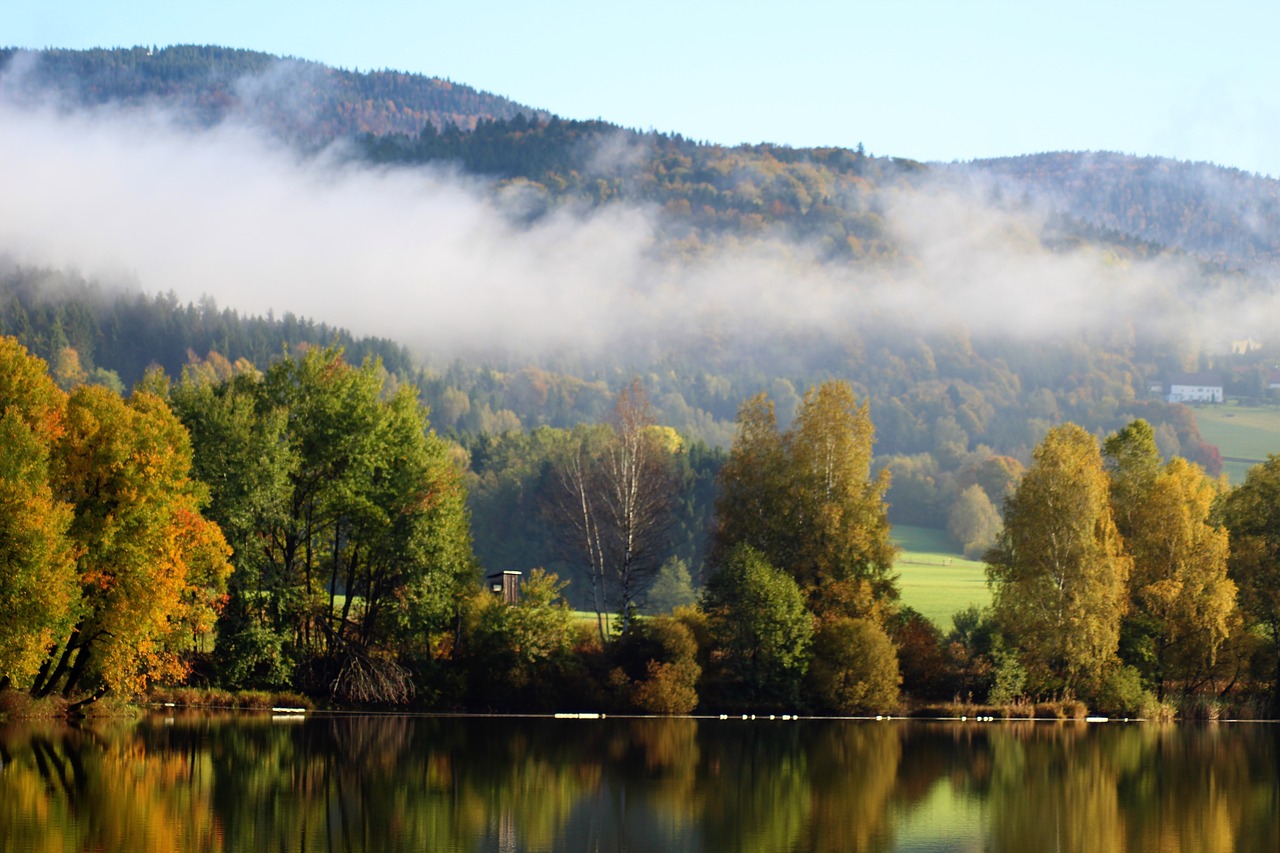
{"x":1226,"y":216}
{"x":826,"y":196}
{"x":111,"y":336}
{"x":302,"y":101}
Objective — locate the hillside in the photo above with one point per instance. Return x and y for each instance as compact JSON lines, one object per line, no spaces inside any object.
{"x":1222,"y":215}
{"x":830,"y":197}
{"x":522,"y":267}
{"x":302,"y":101}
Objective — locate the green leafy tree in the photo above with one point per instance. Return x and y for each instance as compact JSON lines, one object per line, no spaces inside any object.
{"x":516,"y":654}
{"x":1132,"y":461}
{"x":243,"y":456}
{"x":349,"y":516}
{"x":1251,"y":514}
{"x":761,"y":628}
{"x":672,"y":588}
{"x":1058,"y":571}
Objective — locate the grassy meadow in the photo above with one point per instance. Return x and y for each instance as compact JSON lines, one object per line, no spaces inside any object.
{"x":935,"y":579}
{"x":1244,"y":435}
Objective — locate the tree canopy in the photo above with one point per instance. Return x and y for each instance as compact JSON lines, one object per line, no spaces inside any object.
{"x":1058,"y":570}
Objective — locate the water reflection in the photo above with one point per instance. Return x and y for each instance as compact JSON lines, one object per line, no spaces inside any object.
{"x":201,"y":782}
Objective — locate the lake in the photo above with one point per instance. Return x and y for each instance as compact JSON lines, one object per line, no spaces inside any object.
{"x":207,"y":782}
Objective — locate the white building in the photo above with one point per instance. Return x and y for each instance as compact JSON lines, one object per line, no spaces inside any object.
{"x":1195,"y":388}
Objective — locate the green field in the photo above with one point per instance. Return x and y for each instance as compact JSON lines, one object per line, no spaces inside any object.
{"x":935,"y":579}
{"x":1244,"y":435}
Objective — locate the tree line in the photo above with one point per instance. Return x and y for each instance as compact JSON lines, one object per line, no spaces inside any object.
{"x":303,"y":527}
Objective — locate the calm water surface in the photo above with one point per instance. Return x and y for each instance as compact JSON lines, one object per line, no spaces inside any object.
{"x":254,"y":783}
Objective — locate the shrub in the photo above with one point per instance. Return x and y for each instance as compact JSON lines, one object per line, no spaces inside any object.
{"x":854,"y":668}
{"x":669,"y":688}
{"x":1122,"y":693}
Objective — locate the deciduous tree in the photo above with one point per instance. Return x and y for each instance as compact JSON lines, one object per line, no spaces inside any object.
{"x":150,"y":566}
{"x":762,"y":629}
{"x":615,"y":502}
{"x":1182,"y":602}
{"x":973,"y":522}
{"x":805,"y":499}
{"x":349,"y":513}
{"x":39,"y":585}
{"x":1058,"y":571}
{"x":1251,"y":513}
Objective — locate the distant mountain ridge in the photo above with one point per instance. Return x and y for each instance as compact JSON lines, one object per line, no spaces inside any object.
{"x":1222,"y":215}
{"x":304,"y":101}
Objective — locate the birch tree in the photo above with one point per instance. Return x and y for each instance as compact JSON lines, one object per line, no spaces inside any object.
{"x":616,"y":491}
{"x":1058,"y":571}
{"x":1182,"y":603}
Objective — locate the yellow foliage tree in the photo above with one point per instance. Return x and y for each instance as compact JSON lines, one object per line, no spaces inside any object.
{"x":1058,"y":570}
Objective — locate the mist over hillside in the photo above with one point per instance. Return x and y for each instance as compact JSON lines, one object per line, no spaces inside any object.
{"x":1223,"y":215}
{"x":955,"y":297}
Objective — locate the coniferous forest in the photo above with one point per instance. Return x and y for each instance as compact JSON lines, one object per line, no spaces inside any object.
{"x":197,"y":497}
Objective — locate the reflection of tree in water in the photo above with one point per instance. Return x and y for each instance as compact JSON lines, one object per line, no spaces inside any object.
{"x":1133,"y":787}
{"x":65,"y":788}
{"x":366,"y":784}
{"x":1207,"y":789}
{"x":854,"y":774}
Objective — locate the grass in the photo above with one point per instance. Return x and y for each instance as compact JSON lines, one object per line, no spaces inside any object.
{"x":1244,"y":435}
{"x":934,"y":577}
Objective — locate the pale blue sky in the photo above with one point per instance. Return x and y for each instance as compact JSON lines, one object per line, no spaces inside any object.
{"x":929,"y":79}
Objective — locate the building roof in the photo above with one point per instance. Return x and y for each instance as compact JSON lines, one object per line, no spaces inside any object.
{"x":1197,"y":379}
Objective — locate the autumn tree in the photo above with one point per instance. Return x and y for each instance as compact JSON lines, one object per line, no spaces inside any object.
{"x":659,"y":657}
{"x":152,"y":568}
{"x":1251,"y":514}
{"x":806,"y":500}
{"x":854,"y":668}
{"x":1057,"y":570}
{"x":39,"y":584}
{"x":1182,"y":603}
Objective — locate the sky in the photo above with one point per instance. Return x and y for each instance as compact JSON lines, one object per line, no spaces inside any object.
{"x":933,"y":80}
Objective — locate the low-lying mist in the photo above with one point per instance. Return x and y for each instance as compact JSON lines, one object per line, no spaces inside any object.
{"x":447,"y":265}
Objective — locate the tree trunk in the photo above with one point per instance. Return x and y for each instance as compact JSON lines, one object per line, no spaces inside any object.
{"x":74,"y":707}
{"x":38,"y":683}
{"x":77,"y":670}
{"x":48,"y":685}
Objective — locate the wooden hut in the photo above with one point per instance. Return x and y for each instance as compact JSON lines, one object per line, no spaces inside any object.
{"x":505,"y":584}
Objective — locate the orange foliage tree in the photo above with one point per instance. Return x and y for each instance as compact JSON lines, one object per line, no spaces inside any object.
{"x":110,"y":565}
